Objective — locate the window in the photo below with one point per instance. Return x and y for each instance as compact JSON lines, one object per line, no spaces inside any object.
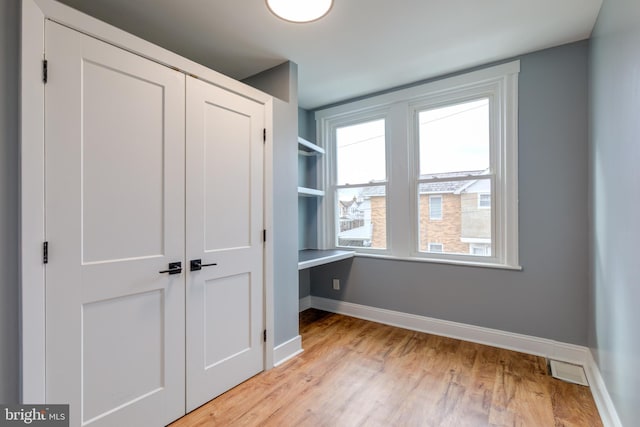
{"x":427,"y":173}
{"x":480,"y":249}
{"x":484,"y":201}
{"x":360,"y":185}
{"x":435,"y":207}
{"x":436,"y":247}
{"x":454,"y":158}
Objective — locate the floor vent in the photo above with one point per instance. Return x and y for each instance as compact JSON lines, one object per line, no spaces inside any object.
{"x":568,"y":372}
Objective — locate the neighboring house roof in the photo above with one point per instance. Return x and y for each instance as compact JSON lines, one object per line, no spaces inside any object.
{"x":439,"y":187}
{"x":347,"y":203}
{"x":455,"y":187}
{"x":373,"y":191}
{"x":360,"y":206}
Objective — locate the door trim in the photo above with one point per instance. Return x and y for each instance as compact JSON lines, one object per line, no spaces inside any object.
{"x":32,"y":178}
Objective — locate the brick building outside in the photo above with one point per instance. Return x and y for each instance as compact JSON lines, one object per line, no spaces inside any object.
{"x":454,"y":217}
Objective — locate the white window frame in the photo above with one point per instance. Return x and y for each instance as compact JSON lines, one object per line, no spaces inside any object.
{"x":329,"y":228}
{"x":400,"y":108}
{"x":433,"y":197}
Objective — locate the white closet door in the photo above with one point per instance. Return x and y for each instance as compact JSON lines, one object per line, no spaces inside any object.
{"x":224,"y":228}
{"x":114,"y":220}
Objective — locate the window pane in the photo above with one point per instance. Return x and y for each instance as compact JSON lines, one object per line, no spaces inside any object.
{"x":464,"y":225}
{"x":360,"y":151}
{"x":362,"y":217}
{"x":455,"y":138}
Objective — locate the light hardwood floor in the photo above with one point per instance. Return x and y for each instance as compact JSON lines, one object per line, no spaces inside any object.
{"x":359,"y":373}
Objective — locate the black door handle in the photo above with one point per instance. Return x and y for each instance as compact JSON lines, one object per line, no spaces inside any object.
{"x":196,"y":264}
{"x":174,"y":268}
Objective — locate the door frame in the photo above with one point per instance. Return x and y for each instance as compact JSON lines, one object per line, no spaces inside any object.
{"x":32,"y":177}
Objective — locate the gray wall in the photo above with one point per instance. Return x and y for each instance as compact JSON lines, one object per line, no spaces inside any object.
{"x":304,"y":283}
{"x":306,"y":125}
{"x":9,"y":83}
{"x":549,"y":297}
{"x":282,"y":82}
{"x":615,"y":183}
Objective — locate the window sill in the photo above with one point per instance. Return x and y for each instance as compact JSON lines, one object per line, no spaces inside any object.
{"x":443,"y":261}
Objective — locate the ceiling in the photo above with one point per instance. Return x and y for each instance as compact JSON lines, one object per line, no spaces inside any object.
{"x":361,"y":47}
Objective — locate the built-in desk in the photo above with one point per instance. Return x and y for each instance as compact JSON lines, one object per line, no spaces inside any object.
{"x":308,"y":258}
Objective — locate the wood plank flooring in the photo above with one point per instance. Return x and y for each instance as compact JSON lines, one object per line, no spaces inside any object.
{"x":359,"y":373}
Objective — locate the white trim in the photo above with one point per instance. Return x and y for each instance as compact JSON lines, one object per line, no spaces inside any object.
{"x":269,"y":280}
{"x":508,"y":194}
{"x":508,"y":340}
{"x":32,"y":232}
{"x":448,"y":260}
{"x":304,"y":303}
{"x":601,"y":396}
{"x":551,"y":349}
{"x":287,"y":350}
{"x":399,"y":108}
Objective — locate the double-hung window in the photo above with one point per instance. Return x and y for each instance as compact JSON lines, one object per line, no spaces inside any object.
{"x":360,"y":184}
{"x":454,"y":162}
{"x":427,"y":173}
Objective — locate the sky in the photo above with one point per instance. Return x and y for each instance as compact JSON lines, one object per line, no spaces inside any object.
{"x":451,"y":139}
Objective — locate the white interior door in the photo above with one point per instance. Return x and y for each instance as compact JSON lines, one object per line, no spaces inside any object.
{"x":114,"y":220}
{"x":224,"y":230}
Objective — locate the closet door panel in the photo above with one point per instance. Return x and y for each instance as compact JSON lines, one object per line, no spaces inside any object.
{"x":224,"y":231}
{"x":227,"y":179}
{"x":122,"y":166}
{"x":114,"y":141}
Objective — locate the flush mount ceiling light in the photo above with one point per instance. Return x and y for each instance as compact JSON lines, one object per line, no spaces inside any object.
{"x":299,"y":10}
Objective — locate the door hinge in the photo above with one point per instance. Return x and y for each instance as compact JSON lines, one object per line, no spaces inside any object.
{"x":264,"y":135}
{"x":264,"y":235}
{"x":264,"y":335}
{"x":45,"y":70}
{"x":45,"y":253}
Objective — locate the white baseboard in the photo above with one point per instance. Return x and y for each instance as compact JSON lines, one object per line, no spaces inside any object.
{"x":601,"y":395}
{"x":305,"y":303}
{"x":493,"y":337}
{"x":287,"y":350}
{"x":523,"y":343}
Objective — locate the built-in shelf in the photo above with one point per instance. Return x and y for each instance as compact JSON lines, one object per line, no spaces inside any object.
{"x":309,"y":148}
{"x":309,"y":192}
{"x":308,"y":258}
